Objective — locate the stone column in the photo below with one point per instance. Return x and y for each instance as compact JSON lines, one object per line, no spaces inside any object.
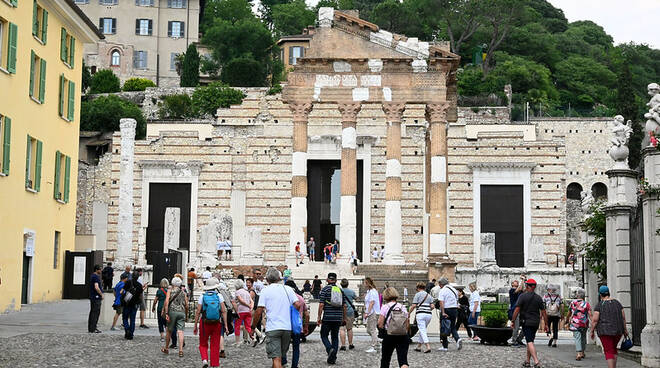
{"x":348,"y":213}
{"x":298,"y":231}
{"x":621,"y":200}
{"x":436,"y":114}
{"x":124,"y":255}
{"x":393,"y":243}
{"x":651,"y":206}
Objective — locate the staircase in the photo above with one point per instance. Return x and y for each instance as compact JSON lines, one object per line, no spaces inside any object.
{"x":398,"y":277}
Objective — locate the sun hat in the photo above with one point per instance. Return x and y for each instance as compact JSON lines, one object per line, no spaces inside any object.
{"x":211,"y":284}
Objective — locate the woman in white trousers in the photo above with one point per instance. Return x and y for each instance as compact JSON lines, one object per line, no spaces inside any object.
{"x":423,"y":303}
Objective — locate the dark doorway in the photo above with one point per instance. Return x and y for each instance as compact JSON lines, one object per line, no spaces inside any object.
{"x":26,"y":279}
{"x":502,"y":214}
{"x":324,"y":202}
{"x":161,"y":196}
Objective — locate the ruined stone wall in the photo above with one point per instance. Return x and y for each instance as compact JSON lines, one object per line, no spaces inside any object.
{"x":93,"y":186}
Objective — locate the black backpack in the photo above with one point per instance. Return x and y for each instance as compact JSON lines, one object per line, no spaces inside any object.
{"x":135,"y":289}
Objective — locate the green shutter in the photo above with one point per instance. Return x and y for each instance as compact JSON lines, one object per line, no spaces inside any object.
{"x":27,"y":162}
{"x":72,"y":51}
{"x":67,"y":177}
{"x":42,"y":80}
{"x":11,"y":54}
{"x":63,"y":45}
{"x":6,"y":142}
{"x":35,"y":20}
{"x":61,"y":109}
{"x":37,"y":167}
{"x":72,"y":100}
{"x":56,"y":185}
{"x":14,"y":3}
{"x":31,"y":73}
{"x":44,"y":27}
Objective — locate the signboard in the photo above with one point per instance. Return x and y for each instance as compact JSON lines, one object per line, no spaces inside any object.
{"x":79,"y":265}
{"x":29,"y":246}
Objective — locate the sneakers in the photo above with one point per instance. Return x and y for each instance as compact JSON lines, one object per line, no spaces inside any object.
{"x":144,"y":326}
{"x":443,"y":349}
{"x":113,"y":329}
{"x":332,"y":356}
{"x":343,"y":348}
{"x":255,"y":341}
{"x":222,"y":354}
{"x":351,"y":347}
{"x":459,"y":344}
{"x":205,"y":364}
{"x":370,"y":350}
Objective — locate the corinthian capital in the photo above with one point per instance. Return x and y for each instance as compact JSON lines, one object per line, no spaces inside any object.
{"x":300,"y":110}
{"x":437,"y":112}
{"x":349,"y":111}
{"x":394,"y":111}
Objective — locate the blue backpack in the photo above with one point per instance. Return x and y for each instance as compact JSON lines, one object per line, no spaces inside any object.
{"x":211,"y":307}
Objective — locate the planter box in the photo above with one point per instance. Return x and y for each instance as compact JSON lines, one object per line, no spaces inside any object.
{"x":492,"y":335}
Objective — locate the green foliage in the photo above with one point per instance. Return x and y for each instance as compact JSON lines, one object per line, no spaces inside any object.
{"x":584,"y":81}
{"x":177,"y":106}
{"x":104,"y":81}
{"x":275,"y":89}
{"x":190,"y":68}
{"x":595,"y":250}
{"x":629,"y":109}
{"x":86,"y":78}
{"x":137,"y":84}
{"x":207,"y":100}
{"x":494,"y":318}
{"x":227,"y":10}
{"x":291,"y":18}
{"x":103,"y":114}
{"x":243,"y":72}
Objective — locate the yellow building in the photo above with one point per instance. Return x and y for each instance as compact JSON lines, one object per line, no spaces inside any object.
{"x":40,"y":78}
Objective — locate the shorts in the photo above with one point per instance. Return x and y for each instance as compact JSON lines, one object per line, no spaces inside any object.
{"x":277,"y":343}
{"x":177,"y":319}
{"x":530,"y":333}
{"x":299,"y":254}
{"x":118,"y":308}
{"x":349,"y":323}
{"x":143,"y":305}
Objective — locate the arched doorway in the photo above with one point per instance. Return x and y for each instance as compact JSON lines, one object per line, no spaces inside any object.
{"x":573,"y":191}
{"x":599,"y":191}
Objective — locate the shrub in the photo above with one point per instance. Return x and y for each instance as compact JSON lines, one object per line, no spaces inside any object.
{"x":494,"y":318}
{"x":207,"y":100}
{"x":138,"y":84}
{"x":244,"y":72}
{"x":275,"y":89}
{"x":176,"y":107}
{"x":103,"y":114}
{"x":104,"y":81}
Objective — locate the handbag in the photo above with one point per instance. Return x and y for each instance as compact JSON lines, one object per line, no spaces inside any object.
{"x":445,"y":327}
{"x":296,"y":319}
{"x":355,"y":312}
{"x":626,"y":344}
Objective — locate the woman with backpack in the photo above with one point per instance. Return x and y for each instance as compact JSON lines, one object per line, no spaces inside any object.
{"x":423,"y":302}
{"x":211,"y":315}
{"x":578,"y":321}
{"x":553,"y":307}
{"x":393,"y":323}
{"x":157,"y":307}
{"x":176,"y":310}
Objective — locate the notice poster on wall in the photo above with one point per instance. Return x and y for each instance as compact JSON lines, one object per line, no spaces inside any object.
{"x":79,"y":265}
{"x":29,"y":246}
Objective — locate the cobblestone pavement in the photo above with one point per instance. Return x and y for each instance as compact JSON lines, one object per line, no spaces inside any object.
{"x":105,"y":350}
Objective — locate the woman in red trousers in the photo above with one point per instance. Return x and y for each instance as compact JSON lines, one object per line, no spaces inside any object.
{"x":211,"y":326}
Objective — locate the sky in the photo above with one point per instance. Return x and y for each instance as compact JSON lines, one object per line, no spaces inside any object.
{"x":625,"y":21}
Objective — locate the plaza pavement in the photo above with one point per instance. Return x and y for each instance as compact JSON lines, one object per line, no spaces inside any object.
{"x":54,"y":335}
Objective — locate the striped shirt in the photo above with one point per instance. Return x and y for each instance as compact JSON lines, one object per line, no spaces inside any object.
{"x":330,"y":313}
{"x":423,"y":301}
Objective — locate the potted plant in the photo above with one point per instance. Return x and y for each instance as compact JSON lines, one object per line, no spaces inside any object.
{"x":494,"y":330}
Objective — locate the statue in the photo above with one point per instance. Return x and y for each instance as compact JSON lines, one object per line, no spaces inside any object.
{"x":219,"y":228}
{"x":586,"y":201}
{"x":653,"y":116}
{"x":619,"y":150}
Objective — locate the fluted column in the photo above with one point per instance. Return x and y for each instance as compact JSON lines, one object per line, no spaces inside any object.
{"x":436,"y":114}
{"x":393,"y":243}
{"x":298,"y":232}
{"x":348,"y":213}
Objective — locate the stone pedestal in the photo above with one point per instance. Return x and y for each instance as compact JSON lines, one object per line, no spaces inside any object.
{"x":651,"y":204}
{"x":252,"y":252}
{"x":124,"y":255}
{"x":444,"y":268}
{"x":487,"y":251}
{"x":536,"y":253}
{"x":172,"y":228}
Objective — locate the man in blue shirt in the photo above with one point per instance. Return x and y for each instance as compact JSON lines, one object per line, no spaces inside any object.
{"x":330,"y":318}
{"x":118,"y":290}
{"x":95,"y":299}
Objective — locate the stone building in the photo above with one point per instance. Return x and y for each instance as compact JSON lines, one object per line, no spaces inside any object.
{"x":429,"y":182}
{"x":142,"y":38}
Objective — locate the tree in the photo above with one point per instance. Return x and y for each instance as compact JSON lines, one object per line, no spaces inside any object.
{"x":229,"y":10}
{"x":501,"y":16}
{"x":397,"y":17}
{"x":232,"y":40}
{"x":626,"y":106}
{"x":103,"y":114}
{"x":190,"y":69}
{"x":292,"y":18}
{"x":462,"y":18}
{"x":595,"y":251}
{"x":244,"y":72}
{"x":584,"y":82}
{"x":86,"y":78}
{"x":104,"y":81}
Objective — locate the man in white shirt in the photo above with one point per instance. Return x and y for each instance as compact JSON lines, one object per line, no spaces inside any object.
{"x":276,"y":299}
{"x":447,"y":297}
{"x":206,"y":274}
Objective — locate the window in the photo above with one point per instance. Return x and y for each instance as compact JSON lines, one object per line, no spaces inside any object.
{"x":143,"y":27}
{"x":82,"y":1}
{"x":56,"y":250}
{"x":295,"y":52}
{"x":13,"y":3}
{"x":108,"y":2}
{"x":175,"y":29}
{"x":67,"y":98}
{"x":67,"y":48}
{"x":176,"y":3}
{"x":5,"y":135}
{"x":62,"y":177}
{"x":8,"y":38}
{"x":33,"y":164}
{"x":39,"y":22}
{"x":108,"y":25}
{"x":140,"y":59}
{"x":173,"y":57}
{"x":144,"y":2}
{"x":115,"y":58}
{"x":37,"y":78}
